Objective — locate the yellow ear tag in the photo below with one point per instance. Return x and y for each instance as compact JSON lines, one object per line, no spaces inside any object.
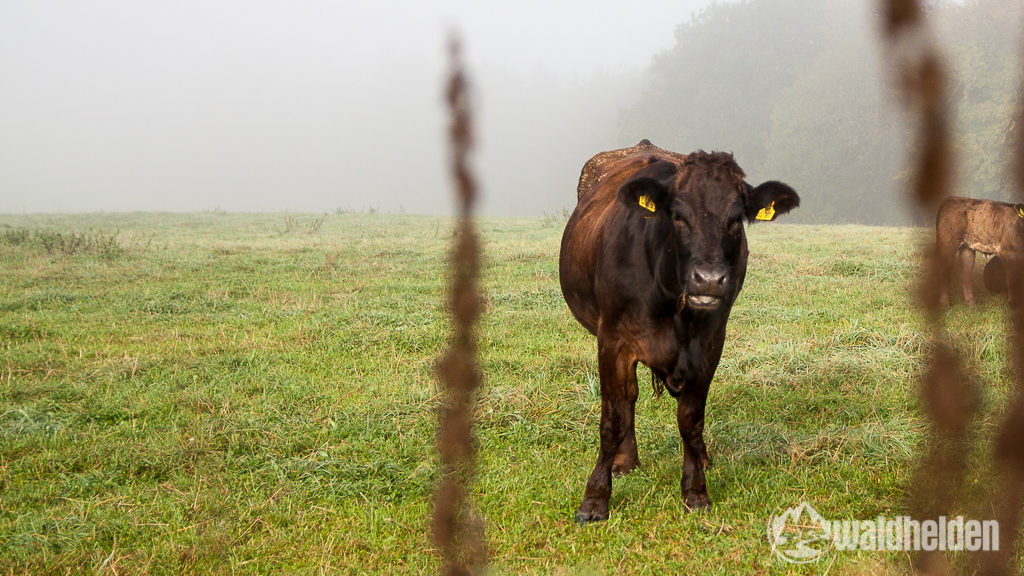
{"x":769,"y":213}
{"x":1020,"y":213}
{"x":647,"y":203}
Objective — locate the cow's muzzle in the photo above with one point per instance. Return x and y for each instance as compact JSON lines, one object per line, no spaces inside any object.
{"x":706,"y":287}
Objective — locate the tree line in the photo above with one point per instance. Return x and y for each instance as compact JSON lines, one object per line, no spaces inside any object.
{"x":798,"y":90}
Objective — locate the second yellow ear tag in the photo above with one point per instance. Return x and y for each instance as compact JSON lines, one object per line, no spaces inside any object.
{"x":647,"y":203}
{"x":1020,"y":213}
{"x":769,"y":213}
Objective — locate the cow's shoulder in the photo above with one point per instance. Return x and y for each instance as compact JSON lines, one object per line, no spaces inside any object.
{"x":597,"y":169}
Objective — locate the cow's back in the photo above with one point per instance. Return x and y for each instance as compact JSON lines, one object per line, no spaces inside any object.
{"x":601,"y":165}
{"x":986,"y":226}
{"x":596,"y":211}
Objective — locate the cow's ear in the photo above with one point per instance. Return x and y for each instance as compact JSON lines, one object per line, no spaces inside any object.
{"x":767,"y":201}
{"x":649,"y":190}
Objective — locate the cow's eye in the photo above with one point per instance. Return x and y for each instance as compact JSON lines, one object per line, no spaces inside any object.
{"x":735,"y":226}
{"x":682,"y":224}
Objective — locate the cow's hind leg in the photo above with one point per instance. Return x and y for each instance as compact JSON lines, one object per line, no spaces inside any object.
{"x":628,"y":457}
{"x":965,"y":260}
{"x":945,"y":255}
{"x":690,"y":417}
{"x":616,"y":419}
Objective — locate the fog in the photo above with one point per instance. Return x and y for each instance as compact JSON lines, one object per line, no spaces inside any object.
{"x":309,"y":106}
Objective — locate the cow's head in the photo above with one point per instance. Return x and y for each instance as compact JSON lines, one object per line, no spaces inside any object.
{"x":1009,"y":265}
{"x":692,"y":215}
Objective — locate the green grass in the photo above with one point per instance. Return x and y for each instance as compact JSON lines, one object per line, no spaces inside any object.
{"x":223,"y":393}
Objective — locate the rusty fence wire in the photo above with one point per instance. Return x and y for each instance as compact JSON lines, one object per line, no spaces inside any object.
{"x":949,"y":394}
{"x":457,"y":529}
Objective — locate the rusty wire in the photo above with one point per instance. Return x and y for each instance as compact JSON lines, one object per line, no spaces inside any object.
{"x":456,"y":528}
{"x":1009,"y":449}
{"x":949,"y":394}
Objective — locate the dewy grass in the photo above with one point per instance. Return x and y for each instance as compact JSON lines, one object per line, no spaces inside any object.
{"x":65,"y":243}
{"x":232,"y":399}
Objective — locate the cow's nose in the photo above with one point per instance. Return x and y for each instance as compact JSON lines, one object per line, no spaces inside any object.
{"x":708,"y":277}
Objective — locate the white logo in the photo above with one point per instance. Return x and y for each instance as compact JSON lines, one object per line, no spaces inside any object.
{"x":800,"y":534}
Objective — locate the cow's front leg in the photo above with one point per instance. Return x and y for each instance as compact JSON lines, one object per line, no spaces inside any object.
{"x":628,"y":456}
{"x":690,"y":417}
{"x":965,"y":260}
{"x":616,"y":420}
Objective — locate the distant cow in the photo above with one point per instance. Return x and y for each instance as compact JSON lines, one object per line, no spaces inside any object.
{"x":965,"y":226}
{"x":651,"y":262}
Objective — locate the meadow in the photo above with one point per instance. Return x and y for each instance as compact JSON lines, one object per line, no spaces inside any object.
{"x":250,"y":394}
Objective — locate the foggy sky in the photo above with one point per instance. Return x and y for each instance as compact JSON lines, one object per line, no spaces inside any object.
{"x":315,"y":105}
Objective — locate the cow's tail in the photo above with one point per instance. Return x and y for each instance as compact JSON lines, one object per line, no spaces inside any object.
{"x":657,"y":384}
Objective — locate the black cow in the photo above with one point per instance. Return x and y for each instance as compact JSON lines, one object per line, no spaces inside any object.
{"x":651,"y":262}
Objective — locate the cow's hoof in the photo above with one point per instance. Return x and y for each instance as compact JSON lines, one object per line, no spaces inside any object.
{"x":583,"y":519}
{"x":697,"y":501}
{"x":587,"y":514}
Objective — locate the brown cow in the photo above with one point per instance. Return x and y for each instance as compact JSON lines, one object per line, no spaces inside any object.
{"x":965,"y":226}
{"x":652,"y":260}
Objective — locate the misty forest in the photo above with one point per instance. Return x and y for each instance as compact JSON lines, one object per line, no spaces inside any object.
{"x":808,"y":98}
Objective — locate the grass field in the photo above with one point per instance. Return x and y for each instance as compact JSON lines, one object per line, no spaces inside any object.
{"x":250,"y":394}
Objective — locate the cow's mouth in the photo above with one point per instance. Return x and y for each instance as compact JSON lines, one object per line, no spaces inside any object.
{"x":702,"y":301}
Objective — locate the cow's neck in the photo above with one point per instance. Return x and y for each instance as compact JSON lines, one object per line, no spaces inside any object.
{"x":667,"y":276}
